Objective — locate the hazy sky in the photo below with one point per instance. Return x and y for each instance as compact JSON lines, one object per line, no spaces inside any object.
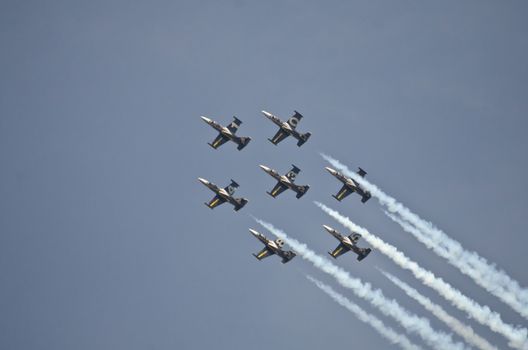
{"x":104,"y":239}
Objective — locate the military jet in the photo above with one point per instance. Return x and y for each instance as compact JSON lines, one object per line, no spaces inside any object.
{"x":346,"y":244}
{"x":287,"y":128}
{"x":272,"y":247}
{"x":224,"y":195}
{"x":349,"y":185}
{"x":227,"y":133}
{"x":285,"y":182}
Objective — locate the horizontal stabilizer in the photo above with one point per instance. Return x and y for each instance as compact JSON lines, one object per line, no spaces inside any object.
{"x":361,"y":172}
{"x":364,"y":254}
{"x":366,"y":197}
{"x":243,"y":142}
{"x":302,"y":190}
{"x":240,"y":203}
{"x":303,"y":139}
{"x":288,"y":255}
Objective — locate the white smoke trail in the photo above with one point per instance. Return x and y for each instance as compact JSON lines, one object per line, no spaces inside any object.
{"x":496,"y":281}
{"x":517,"y":337}
{"x":454,"y":324}
{"x":385,"y":331}
{"x":470,"y":264}
{"x":390,"y":307}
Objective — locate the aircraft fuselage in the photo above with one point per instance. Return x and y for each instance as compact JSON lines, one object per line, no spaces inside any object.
{"x":283,"y":179}
{"x":219,"y":191}
{"x":347,"y":181}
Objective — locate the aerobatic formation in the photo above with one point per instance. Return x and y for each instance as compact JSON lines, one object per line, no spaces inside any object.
{"x":284,"y":182}
{"x":425,"y":232}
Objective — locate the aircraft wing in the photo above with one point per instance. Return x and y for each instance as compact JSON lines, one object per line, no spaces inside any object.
{"x":279,"y":136}
{"x":216,"y":201}
{"x":219,"y":141}
{"x":340,"y":250}
{"x":343,"y":192}
{"x":292,"y":174}
{"x":264,"y":253}
{"x":231,"y":188}
{"x":294,"y":119}
{"x":278,"y":189}
{"x":233,"y":127}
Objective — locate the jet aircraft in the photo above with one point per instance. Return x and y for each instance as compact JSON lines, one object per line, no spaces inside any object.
{"x":227,"y":133}
{"x":287,"y":128}
{"x":346,"y":244}
{"x":224,"y":195}
{"x":349,"y":185}
{"x":272,"y":247}
{"x":285,"y":182}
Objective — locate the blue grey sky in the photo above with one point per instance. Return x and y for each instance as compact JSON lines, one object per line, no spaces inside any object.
{"x":104,"y":239}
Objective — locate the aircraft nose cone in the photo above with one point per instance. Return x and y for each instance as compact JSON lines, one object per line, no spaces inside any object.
{"x":265,"y":168}
{"x":204,"y":181}
{"x":205,"y":119}
{"x":330,"y":170}
{"x":255,"y":233}
{"x":328,"y":228}
{"x":267,"y":114}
